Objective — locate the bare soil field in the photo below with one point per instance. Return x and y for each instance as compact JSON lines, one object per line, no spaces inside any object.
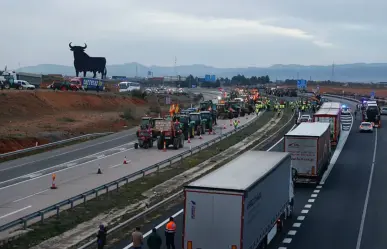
{"x":47,"y":116}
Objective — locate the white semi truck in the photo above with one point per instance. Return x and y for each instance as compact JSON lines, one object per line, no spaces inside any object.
{"x":310,"y":147}
{"x":241,"y":205}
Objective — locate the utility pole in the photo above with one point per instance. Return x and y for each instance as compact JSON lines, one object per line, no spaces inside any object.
{"x":136,"y":71}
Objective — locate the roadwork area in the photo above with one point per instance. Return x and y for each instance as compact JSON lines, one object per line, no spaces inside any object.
{"x":39,"y":117}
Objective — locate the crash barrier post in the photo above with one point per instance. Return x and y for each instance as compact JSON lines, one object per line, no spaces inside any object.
{"x":23,"y":222}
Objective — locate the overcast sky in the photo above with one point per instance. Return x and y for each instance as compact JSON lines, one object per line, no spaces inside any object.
{"x":221,"y":33}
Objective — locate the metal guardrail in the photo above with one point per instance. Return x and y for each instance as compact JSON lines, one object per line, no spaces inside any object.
{"x":142,"y":173}
{"x":43,"y":146}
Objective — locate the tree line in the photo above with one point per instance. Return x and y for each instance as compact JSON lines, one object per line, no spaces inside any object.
{"x":233,"y":81}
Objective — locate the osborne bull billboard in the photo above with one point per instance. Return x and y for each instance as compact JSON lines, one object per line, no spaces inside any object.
{"x":84,"y":63}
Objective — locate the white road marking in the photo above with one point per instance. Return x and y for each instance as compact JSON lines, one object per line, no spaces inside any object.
{"x":64,"y":153}
{"x":308,"y":205}
{"x":30,"y":196}
{"x":70,"y":164}
{"x":282,"y":247}
{"x":292,"y":232}
{"x":304,"y":211}
{"x":43,"y":175}
{"x":313,"y":195}
{"x":363,"y":216}
{"x":118,"y":165}
{"x":296,"y":224}
{"x":287,"y":241}
{"x":272,"y":147}
{"x":336,"y":155}
{"x":311,"y":200}
{"x":301,"y":218}
{"x":14,"y":212}
{"x":316,"y":191}
{"x":182,"y":211}
{"x":157,"y":227}
{"x":101,"y":156}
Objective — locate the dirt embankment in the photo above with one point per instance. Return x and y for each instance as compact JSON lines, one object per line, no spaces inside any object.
{"x":42,"y":116}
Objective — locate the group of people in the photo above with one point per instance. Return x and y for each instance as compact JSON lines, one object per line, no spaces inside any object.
{"x":154,"y":240}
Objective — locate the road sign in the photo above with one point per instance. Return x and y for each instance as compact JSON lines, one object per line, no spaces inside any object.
{"x":372,"y":94}
{"x":209,"y":78}
{"x":301,"y":84}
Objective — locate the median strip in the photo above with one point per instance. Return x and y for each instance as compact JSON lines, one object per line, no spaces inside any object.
{"x":129,"y":195}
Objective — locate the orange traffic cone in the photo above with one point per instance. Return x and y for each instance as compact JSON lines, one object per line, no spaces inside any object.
{"x":224,"y":126}
{"x":230,"y":122}
{"x":165,"y":146}
{"x":125,"y":162}
{"x":189,"y":139}
{"x":53,"y":185}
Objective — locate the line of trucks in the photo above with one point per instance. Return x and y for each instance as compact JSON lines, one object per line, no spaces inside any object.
{"x":244,"y":204}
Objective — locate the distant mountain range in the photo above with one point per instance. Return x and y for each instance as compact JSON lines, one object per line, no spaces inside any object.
{"x":357,"y":72}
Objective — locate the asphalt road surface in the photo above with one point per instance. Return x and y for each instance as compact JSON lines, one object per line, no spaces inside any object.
{"x":176,"y":212}
{"x":322,"y":223}
{"x":28,"y":165}
{"x":30,"y":193}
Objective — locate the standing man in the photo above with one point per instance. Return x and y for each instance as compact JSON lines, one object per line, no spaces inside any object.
{"x":154,"y":241}
{"x":101,"y":236}
{"x":170,"y":230}
{"x":137,"y":238}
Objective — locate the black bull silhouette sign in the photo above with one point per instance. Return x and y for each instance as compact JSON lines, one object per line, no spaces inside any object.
{"x":84,"y":63}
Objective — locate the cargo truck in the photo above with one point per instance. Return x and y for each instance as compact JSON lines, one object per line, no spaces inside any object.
{"x":331,"y":116}
{"x":331,"y":105}
{"x":241,"y":205}
{"x":310,"y":147}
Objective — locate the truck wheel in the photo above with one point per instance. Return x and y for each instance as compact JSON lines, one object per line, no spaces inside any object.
{"x":176,"y":142}
{"x":20,"y":87}
{"x":7,"y":86}
{"x":63,"y":88}
{"x":181,"y":144}
{"x":146,"y":145}
{"x":136,"y":146}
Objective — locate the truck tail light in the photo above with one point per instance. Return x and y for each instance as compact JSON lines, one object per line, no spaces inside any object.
{"x":233,"y":247}
{"x":313,"y":170}
{"x":189,"y":244}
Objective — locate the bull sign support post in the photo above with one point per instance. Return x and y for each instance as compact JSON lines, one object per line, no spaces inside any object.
{"x":84,"y":63}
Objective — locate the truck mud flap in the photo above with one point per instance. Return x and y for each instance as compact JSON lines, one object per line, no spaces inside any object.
{"x":306,"y":180}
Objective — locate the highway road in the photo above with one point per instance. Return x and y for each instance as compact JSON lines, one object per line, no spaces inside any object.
{"x":176,"y":212}
{"x":31,"y":164}
{"x":320,"y":215}
{"x":30,"y":193}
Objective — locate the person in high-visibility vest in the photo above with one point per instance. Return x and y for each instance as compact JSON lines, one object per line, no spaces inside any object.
{"x":235,"y":124}
{"x":170,"y":230}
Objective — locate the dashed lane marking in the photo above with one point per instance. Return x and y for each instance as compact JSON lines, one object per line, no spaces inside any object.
{"x":304,"y":211}
{"x":311,"y":200}
{"x":301,"y":218}
{"x":287,"y":241}
{"x":297,"y":224}
{"x":308,"y":205}
{"x":316,"y":191}
{"x":282,"y":247}
{"x":292,"y":232}
{"x":313,"y":195}
{"x":319,"y":186}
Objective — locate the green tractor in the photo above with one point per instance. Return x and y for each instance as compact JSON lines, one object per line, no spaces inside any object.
{"x":185,"y":125}
{"x":207,"y":122}
{"x":196,"y":122}
{"x":149,"y":121}
{"x":234,"y":108}
{"x":223,"y":112}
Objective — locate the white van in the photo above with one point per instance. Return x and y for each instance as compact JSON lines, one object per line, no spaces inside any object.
{"x":128,"y":86}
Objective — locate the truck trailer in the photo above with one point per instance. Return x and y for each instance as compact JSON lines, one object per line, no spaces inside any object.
{"x":333,"y":117}
{"x":241,"y":205}
{"x":331,"y":105}
{"x":310,"y":147}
